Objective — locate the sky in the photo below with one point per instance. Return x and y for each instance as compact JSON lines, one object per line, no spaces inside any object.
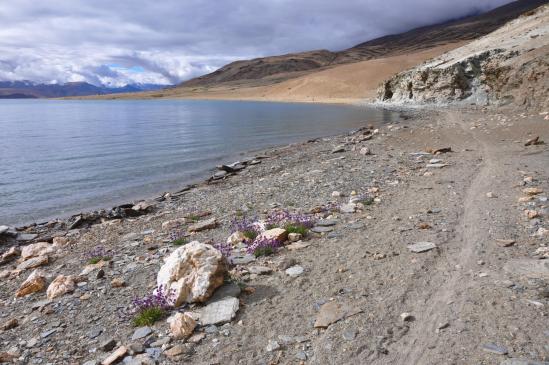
{"x":117,"y":42}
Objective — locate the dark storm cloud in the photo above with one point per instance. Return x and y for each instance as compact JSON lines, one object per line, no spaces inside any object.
{"x":116,"y":42}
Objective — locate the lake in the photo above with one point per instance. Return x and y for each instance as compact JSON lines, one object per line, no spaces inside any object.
{"x":59,"y":157}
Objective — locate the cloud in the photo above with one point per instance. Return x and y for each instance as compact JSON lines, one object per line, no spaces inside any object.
{"x":166,"y":42}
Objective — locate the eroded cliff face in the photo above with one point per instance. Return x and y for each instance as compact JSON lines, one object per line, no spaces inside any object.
{"x":510,"y":65}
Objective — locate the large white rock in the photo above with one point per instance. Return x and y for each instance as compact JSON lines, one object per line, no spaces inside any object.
{"x":192,"y":272}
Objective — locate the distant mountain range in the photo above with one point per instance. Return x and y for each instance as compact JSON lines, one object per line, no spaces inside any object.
{"x":30,"y":90}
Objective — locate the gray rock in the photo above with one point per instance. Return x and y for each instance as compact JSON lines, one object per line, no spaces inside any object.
{"x":141,"y":332}
{"x":493,"y":348}
{"x":260,"y":270}
{"x":436,"y":165}
{"x":294,"y":271}
{"x":326,"y":222}
{"x":321,"y":229}
{"x":211,"y":329}
{"x":94,"y":332}
{"x":90,"y":362}
{"x":227,"y":290}
{"x":48,"y":333}
{"x":421,"y":247}
{"x":154,"y":352}
{"x":347,"y":208}
{"x":242,"y":260}
{"x":222,"y":311}
{"x":4,"y":229}
{"x":350,"y":334}
{"x":272,"y":346}
{"x":108,"y":345}
{"x":26,"y":236}
{"x":357,"y":225}
{"x":301,"y":355}
{"x":339,"y":149}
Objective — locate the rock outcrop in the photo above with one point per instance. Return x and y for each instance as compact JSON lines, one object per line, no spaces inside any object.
{"x":192,"y":273}
{"x":509,"y":65}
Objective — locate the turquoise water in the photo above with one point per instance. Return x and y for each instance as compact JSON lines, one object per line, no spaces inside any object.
{"x":59,"y":157}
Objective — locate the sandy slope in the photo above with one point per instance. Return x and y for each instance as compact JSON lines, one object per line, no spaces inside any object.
{"x":342,"y":84}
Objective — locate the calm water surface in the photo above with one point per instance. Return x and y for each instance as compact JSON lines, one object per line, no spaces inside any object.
{"x":61,"y":157}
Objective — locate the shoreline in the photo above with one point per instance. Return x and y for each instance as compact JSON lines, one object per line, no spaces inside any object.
{"x":206,"y":177}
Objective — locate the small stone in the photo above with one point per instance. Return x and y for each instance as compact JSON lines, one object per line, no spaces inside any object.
{"x":278,"y":234}
{"x":294,"y":237}
{"x":175,"y":351}
{"x":365,"y":151}
{"x":321,"y":229}
{"x":491,"y":195}
{"x":35,"y":282}
{"x":48,"y":333}
{"x":532,"y":191}
{"x":347,"y":208}
{"x":272,"y":345}
{"x":436,"y":165}
{"x":421,"y":247}
{"x":10,"y":324}
{"x":350,"y":334}
{"x":108,"y":345}
{"x":336,"y":194}
{"x":203,"y":225}
{"x":260,"y":270}
{"x":339,"y":149}
{"x":236,"y":238}
{"x":301,"y":355}
{"x":326,"y":223}
{"x":94,"y":332}
{"x":297,"y":246}
{"x":406,"y":317}
{"x":182,"y":325}
{"x":33,"y":262}
{"x":61,"y":241}
{"x":496,"y":349}
{"x":294,"y":271}
{"x":219,"y":312}
{"x":118,"y":283}
{"x":141,"y":332}
{"x":332,"y":312}
{"x":115,"y":356}
{"x":505,"y":243}
{"x":196,"y":338}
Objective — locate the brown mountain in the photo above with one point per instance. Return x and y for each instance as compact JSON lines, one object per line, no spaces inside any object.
{"x":268,"y":70}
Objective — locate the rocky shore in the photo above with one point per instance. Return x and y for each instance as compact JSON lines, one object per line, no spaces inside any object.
{"x":422,"y":242}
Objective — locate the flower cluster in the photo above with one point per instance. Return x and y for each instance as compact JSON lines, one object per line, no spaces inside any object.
{"x":249,"y":227}
{"x":178,"y":237}
{"x":263,"y":247}
{"x":160,"y":298}
{"x":225,"y":248}
{"x":97,"y":254}
{"x":284,"y":218}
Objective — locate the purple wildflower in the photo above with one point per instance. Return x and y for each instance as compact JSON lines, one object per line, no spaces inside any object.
{"x":283,"y":218}
{"x":159,"y":298}
{"x":262,"y":246}
{"x":225,"y":249}
{"x":98,"y":253}
{"x":248,"y":227}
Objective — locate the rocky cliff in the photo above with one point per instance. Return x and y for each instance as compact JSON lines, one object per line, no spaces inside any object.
{"x":509,"y":65}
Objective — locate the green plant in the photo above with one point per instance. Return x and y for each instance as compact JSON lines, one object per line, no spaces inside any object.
{"x":180,"y":242}
{"x":263,"y":251}
{"x":95,"y":260}
{"x":193,"y":218}
{"x":251,"y":235}
{"x":148,"y":316}
{"x":297,"y":228}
